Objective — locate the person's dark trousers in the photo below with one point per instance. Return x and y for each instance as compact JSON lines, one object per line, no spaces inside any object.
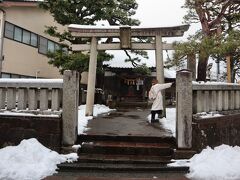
{"x":153,"y":113}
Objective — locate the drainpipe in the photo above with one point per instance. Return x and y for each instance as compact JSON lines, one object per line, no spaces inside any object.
{"x":2,"y":22}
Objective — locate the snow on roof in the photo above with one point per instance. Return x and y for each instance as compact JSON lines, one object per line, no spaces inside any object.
{"x":168,"y":73}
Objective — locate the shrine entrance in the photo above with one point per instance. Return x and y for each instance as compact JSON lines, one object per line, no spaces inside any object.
{"x":126,"y":35}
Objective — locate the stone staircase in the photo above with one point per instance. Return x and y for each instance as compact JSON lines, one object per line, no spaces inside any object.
{"x":125,"y":154}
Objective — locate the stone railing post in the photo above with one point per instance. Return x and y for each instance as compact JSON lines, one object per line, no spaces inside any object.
{"x":70,"y":107}
{"x":184,"y":109}
{"x":191,"y":65}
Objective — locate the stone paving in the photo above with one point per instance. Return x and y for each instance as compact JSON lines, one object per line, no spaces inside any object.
{"x":126,"y":122}
{"x":123,"y":122}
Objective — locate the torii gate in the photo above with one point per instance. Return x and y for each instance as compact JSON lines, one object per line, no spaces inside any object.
{"x":125,"y":34}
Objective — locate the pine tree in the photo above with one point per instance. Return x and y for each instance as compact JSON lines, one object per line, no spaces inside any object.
{"x":84,"y":12}
{"x":216,"y":17}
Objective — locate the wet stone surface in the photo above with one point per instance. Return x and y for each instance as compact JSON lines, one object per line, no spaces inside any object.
{"x":126,"y":122}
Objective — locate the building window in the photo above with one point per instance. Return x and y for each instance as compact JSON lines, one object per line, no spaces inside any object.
{"x":43,"y":45}
{"x":18,"y":34}
{"x":34,"y":39}
{"x":51,"y":46}
{"x":6,"y":75}
{"x":26,"y":37}
{"x":46,"y":46}
{"x":9,"y":30}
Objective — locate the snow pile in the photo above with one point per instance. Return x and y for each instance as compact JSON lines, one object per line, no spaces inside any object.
{"x":222,"y":162}
{"x":83,"y":120}
{"x":30,"y":160}
{"x":169,"y":122}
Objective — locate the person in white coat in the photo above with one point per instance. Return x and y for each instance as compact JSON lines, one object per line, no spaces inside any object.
{"x":155,"y":95}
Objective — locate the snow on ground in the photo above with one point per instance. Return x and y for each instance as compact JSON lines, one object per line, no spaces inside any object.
{"x":30,"y":160}
{"x":22,"y":113}
{"x":169,"y":122}
{"x":83,"y":120}
{"x":204,"y":115}
{"x":222,"y":162}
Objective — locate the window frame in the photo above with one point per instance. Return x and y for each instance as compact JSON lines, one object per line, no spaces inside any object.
{"x":32,"y":33}
{"x":37,"y":42}
{"x":29,"y":37}
{"x":5,"y":29}
{"x":21,"y":34}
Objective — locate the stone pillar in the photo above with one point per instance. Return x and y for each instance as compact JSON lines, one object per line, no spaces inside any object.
{"x":91,"y":77}
{"x":159,"y":59}
{"x":70,"y":107}
{"x":184,"y":109}
{"x":160,"y":67}
{"x":191,"y":65}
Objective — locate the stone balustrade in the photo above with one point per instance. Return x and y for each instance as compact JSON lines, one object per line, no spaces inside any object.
{"x":197,"y":97}
{"x":31,"y":94}
{"x":210,"y":97}
{"x":45,"y":96}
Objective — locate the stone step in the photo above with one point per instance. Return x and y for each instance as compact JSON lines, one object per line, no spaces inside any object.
{"x":86,"y":177}
{"x":184,"y":153}
{"x":130,"y":159}
{"x":126,"y":148}
{"x":119,"y":176}
{"x":78,"y":166}
{"x":140,"y":139}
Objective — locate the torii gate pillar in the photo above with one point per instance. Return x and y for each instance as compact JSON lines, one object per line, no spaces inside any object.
{"x":91,"y":77}
{"x":159,"y":59}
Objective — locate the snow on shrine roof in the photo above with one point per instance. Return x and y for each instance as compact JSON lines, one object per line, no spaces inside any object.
{"x":168,"y":73}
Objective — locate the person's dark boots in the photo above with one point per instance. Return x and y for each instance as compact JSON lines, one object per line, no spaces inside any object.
{"x":154,"y":121}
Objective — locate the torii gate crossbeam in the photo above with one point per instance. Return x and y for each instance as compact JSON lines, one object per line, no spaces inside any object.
{"x":125,"y":35}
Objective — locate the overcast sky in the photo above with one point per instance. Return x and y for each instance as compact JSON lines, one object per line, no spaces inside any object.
{"x":156,"y":13}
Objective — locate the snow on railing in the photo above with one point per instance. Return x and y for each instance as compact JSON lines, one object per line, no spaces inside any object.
{"x":31,"y":94}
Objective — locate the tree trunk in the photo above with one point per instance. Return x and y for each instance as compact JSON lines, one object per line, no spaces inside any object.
{"x":202,"y":67}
